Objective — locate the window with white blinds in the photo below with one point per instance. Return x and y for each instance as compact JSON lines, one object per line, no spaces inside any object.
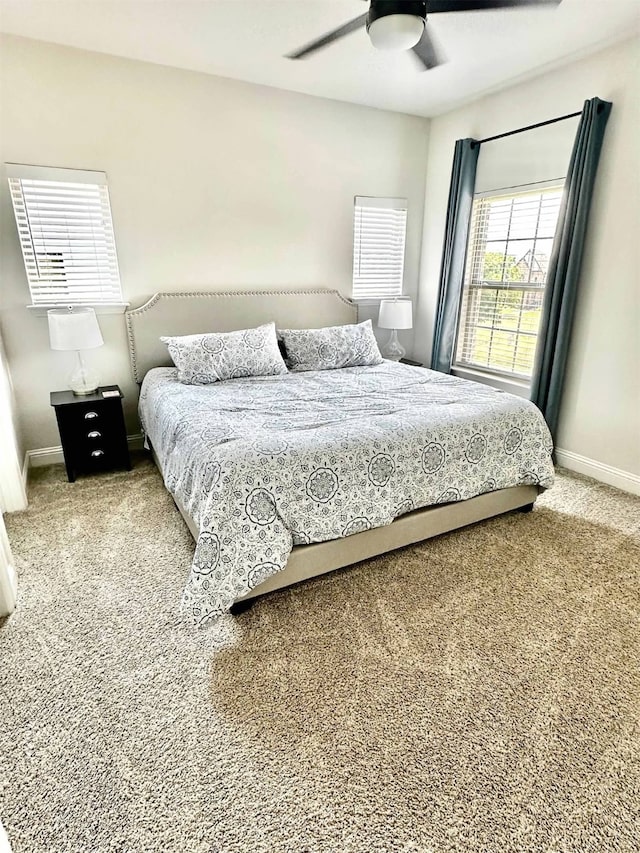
{"x":379,"y":232}
{"x":66,"y":233}
{"x":510,"y":242}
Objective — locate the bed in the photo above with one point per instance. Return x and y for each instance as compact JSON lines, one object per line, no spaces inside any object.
{"x":281,"y":478}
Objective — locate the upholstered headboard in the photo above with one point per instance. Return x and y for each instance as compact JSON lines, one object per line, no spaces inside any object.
{"x":226,"y":311}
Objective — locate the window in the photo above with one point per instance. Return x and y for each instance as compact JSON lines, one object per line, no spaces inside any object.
{"x":65,"y":230}
{"x":379,"y":229}
{"x":510,"y":243}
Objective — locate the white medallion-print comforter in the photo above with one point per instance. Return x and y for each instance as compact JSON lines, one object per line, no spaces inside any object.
{"x":269,"y":462}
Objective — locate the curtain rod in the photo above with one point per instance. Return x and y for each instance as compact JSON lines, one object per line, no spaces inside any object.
{"x":522,"y":129}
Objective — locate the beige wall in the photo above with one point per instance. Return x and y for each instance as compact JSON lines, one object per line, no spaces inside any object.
{"x":217,"y":183}
{"x":214,"y":184}
{"x":600,"y":417}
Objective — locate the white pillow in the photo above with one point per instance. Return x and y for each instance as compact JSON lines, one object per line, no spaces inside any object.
{"x":331,"y":348}
{"x":203,"y":359}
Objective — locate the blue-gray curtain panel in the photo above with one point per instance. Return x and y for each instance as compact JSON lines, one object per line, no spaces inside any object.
{"x":564,"y":265}
{"x":454,"y":252}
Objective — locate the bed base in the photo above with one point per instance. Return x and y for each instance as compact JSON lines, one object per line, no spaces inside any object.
{"x":309,"y":561}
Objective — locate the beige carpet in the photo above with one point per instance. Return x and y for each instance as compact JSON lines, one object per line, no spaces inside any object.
{"x":479,"y":692}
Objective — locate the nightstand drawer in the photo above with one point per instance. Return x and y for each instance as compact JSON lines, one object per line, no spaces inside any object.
{"x":97,"y":434}
{"x":90,"y":417}
{"x":96,"y":458}
{"x":85,"y":416}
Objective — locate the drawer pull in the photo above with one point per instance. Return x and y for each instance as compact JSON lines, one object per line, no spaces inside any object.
{"x":94,"y":434}
{"x":90,"y":416}
{"x":97,"y":453}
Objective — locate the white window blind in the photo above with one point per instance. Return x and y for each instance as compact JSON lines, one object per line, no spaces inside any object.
{"x":510,"y":243}
{"x":66,"y":233}
{"x":379,"y":232}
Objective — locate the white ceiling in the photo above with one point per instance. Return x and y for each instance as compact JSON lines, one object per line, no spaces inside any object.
{"x":246,"y":40}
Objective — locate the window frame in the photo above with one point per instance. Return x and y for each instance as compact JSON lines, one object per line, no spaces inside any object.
{"x":516,"y":383}
{"x":16,"y":174}
{"x":379,"y":203}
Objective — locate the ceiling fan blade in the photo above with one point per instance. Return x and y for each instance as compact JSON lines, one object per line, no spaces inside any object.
{"x":427,"y":52}
{"x":358,"y":22}
{"x":434,"y":6}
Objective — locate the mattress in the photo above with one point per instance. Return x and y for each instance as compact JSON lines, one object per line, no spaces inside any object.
{"x":265,"y":463}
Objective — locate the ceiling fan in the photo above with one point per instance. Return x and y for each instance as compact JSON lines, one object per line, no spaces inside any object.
{"x":402,"y":25}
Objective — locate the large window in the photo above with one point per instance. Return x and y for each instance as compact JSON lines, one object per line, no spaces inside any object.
{"x":510,"y":243}
{"x":379,"y":231}
{"x":65,"y":230}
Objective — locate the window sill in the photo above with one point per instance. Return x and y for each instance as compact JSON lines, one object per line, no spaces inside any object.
{"x":519,"y":387}
{"x":374,"y":302}
{"x":115,"y":308}
{"x":369,"y":301}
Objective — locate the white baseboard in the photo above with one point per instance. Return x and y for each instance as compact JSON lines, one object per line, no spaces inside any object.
{"x":599,"y":471}
{"x":25,"y":477}
{"x":44,"y":456}
{"x":53,"y":455}
{"x":136,"y":442}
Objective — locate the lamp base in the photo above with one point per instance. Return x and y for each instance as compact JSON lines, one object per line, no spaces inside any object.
{"x":77,"y":393}
{"x":393,"y":349}
{"x":83,"y":380}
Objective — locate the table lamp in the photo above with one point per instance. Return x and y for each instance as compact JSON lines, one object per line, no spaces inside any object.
{"x":394,"y":314}
{"x":76,"y":329}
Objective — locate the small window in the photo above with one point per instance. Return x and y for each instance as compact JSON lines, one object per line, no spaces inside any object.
{"x":66,"y":233}
{"x":379,"y":231}
{"x":510,"y":242}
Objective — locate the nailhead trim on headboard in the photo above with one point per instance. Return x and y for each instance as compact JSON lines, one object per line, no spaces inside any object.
{"x":215,"y":295}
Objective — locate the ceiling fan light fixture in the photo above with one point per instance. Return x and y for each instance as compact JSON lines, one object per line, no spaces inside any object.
{"x":396,"y":32}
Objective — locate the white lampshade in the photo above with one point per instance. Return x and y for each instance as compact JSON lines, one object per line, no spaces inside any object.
{"x":396,"y":32}
{"x":74,"y":329}
{"x":395,"y":314}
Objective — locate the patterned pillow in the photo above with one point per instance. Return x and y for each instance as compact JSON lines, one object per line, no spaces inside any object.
{"x":203,"y":359}
{"x":332,"y":347}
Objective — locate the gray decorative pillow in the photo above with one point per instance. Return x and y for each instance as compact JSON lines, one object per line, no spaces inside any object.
{"x":203,"y":359}
{"x":331,"y":348}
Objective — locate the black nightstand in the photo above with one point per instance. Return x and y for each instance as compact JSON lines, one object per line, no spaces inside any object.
{"x":411,"y":362}
{"x":92,"y":431}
